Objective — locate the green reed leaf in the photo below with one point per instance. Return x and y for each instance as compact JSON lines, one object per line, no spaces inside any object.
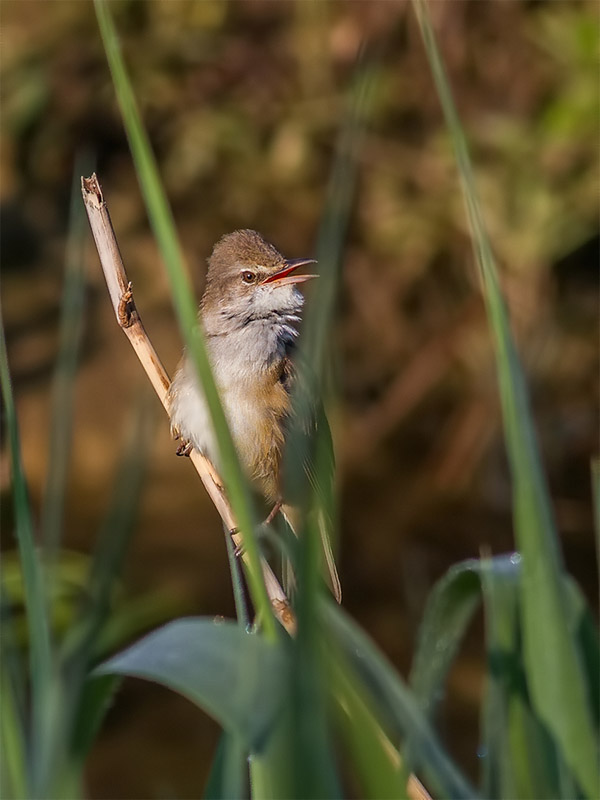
{"x":552,"y":658}
{"x":64,"y":376}
{"x":40,"y":652}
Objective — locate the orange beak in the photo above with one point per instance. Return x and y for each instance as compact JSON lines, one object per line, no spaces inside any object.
{"x":285,"y":275}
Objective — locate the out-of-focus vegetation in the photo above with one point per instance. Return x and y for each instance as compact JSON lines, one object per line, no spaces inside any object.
{"x":243,"y":102}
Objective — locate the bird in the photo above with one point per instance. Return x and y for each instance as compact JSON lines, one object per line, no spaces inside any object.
{"x":250,"y":311}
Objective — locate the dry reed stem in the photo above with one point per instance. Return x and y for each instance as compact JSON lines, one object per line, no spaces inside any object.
{"x":129,"y":320}
{"x":416,"y":790}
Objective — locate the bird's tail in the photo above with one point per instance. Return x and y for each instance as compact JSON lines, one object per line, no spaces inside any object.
{"x":291,"y":514}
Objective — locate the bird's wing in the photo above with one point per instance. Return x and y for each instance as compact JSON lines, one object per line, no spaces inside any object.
{"x":319,"y":466}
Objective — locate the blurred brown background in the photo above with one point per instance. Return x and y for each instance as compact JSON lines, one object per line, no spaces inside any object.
{"x":243,"y":102}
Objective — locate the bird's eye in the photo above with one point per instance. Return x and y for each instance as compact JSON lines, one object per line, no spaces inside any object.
{"x":248,"y":276}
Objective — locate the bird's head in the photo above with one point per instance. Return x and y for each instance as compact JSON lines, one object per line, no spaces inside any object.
{"x":249,"y":279}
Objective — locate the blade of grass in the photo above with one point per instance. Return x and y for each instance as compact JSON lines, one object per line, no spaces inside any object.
{"x":183,"y":298}
{"x":377,"y":764}
{"x":62,"y":394}
{"x":80,"y":651}
{"x":235,"y":772}
{"x":596,"y":501}
{"x":585,"y":628}
{"x":40,"y":652}
{"x":396,"y":705}
{"x":315,"y":340}
{"x":311,"y":745}
{"x":557,"y":684}
{"x":51,"y":756}
{"x":13,"y":775}
{"x":518,"y":757}
{"x":228,"y":777}
{"x":93,"y":704}
{"x":308,"y":738}
{"x":13,"y":745}
{"x":11,"y":653}
{"x":272,"y":771}
{"x":119,"y":525}
{"x":58,"y":768}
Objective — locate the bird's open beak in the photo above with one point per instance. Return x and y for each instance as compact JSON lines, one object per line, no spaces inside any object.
{"x":286,"y":275}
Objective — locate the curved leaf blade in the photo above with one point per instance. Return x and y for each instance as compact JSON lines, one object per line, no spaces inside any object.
{"x":448,"y":613}
{"x":236,"y":677}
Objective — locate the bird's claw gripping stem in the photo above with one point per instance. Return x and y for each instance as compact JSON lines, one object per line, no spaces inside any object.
{"x":261,"y":532}
{"x":239,"y":550}
{"x":184,"y":448}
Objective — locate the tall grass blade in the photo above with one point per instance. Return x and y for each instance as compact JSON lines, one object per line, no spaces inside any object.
{"x":71,"y":710}
{"x":315,"y":341}
{"x":228,"y":778}
{"x":309,"y":470}
{"x":13,"y":750}
{"x":119,"y":525}
{"x":13,"y":745}
{"x":585,"y":628}
{"x":66,"y":365}
{"x":94,"y":702}
{"x":12,"y":656}
{"x":396,"y":706}
{"x":596,"y":501}
{"x":308,"y":736}
{"x":375,"y":762}
{"x":87,"y":698}
{"x":40,"y":653}
{"x":183,"y":298}
{"x":553,"y":662}
{"x":518,"y":757}
{"x":272,"y":771}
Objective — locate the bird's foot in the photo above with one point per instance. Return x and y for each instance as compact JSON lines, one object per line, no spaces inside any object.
{"x":261,"y":532}
{"x":184,"y":448}
{"x":273,"y":513}
{"x":239,"y":549}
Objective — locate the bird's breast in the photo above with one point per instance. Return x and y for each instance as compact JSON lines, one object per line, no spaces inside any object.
{"x":255,"y":412}
{"x":255,"y":403}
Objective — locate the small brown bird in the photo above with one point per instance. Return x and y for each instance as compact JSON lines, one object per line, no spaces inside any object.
{"x":249,"y":311}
